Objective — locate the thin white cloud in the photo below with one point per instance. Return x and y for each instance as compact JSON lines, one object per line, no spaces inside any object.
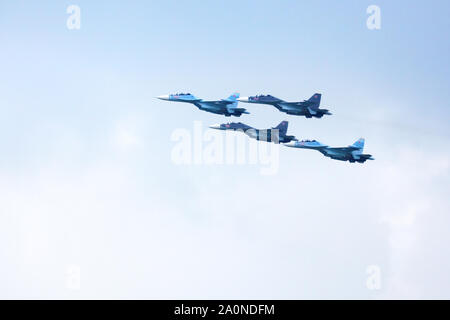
{"x":412,"y":189}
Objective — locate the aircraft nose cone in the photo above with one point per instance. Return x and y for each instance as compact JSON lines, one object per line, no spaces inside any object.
{"x":163,"y":97}
{"x":215,"y":126}
{"x":243,"y":99}
{"x":290,"y":144}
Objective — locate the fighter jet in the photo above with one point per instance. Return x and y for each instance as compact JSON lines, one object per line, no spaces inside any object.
{"x":308,"y":108}
{"x":227,"y":107}
{"x":351,"y":153}
{"x":275,"y":135}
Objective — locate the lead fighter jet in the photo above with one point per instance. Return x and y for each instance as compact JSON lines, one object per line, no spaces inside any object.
{"x":308,"y":108}
{"x":351,"y":153}
{"x":227,"y":107}
{"x":275,"y":135}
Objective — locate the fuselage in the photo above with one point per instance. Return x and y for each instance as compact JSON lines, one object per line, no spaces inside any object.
{"x":225,"y":107}
{"x":267,"y":135}
{"x":306,"y":108}
{"x":350,"y":153}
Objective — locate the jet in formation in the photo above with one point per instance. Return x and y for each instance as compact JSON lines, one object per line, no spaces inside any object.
{"x":227,"y":107}
{"x":308,"y":108}
{"x":275,"y":135}
{"x":353,"y":153}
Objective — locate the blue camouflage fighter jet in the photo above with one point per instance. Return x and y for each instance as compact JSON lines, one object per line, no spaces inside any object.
{"x":275,"y":135}
{"x":353,"y":153}
{"x":227,"y":107}
{"x":308,"y":108}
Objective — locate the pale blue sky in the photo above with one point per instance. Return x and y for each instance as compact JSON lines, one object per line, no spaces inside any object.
{"x":86,"y":176}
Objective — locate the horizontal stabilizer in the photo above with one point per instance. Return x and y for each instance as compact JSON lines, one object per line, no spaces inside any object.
{"x":240,"y":110}
{"x":366,"y":157}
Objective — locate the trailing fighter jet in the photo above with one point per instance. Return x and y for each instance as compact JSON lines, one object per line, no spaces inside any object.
{"x":227,"y":107}
{"x":275,"y":135}
{"x":308,"y":108}
{"x":351,"y":153}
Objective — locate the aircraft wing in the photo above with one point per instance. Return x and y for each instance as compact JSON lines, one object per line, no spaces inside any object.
{"x":218,"y":102}
{"x":304,"y":103}
{"x":345,"y":149}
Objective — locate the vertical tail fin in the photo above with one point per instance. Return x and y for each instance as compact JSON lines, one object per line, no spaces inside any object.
{"x":315,"y":99}
{"x":282,"y":127}
{"x":359,"y":144}
{"x":233,"y":98}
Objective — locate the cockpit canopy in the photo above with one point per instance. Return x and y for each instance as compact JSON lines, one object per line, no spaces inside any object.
{"x":263,"y":96}
{"x":233,"y":125}
{"x":307,"y":140}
